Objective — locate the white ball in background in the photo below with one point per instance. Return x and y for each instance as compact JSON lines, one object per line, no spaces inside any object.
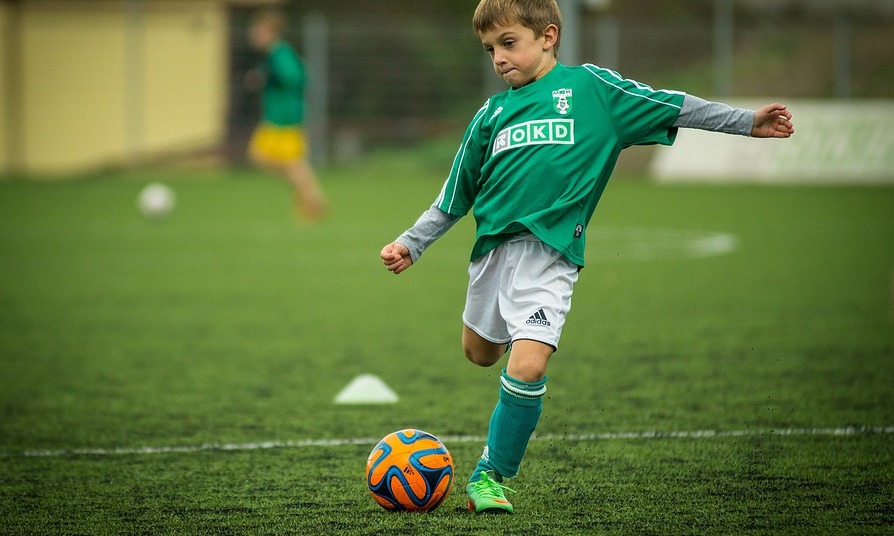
{"x":156,"y":201}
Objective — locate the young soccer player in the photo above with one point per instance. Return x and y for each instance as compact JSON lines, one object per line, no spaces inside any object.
{"x":279,"y":142}
{"x":533,"y":164}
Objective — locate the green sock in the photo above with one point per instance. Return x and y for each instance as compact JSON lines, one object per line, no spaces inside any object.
{"x":511,"y":425}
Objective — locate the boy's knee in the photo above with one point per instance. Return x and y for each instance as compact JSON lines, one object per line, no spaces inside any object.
{"x":527,"y":371}
{"x":528,"y":360}
{"x":482,"y":357}
{"x":479,"y":350}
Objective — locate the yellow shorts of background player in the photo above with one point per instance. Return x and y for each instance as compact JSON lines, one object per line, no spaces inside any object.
{"x":279,"y":144}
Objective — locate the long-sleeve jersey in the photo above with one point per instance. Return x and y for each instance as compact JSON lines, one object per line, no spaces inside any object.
{"x":283,"y":94}
{"x":537,"y":159}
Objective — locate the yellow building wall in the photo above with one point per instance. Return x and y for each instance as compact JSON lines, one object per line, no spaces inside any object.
{"x":5,"y":13}
{"x":116,"y":82}
{"x":73,"y":85}
{"x":185,"y":75}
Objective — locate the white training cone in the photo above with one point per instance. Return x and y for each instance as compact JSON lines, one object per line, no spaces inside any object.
{"x":366,"y":389}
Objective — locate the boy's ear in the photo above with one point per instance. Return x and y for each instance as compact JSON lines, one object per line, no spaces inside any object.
{"x":550,"y":36}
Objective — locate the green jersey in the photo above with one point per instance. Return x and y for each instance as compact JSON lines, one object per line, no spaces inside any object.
{"x":537,"y":159}
{"x":283,"y":97}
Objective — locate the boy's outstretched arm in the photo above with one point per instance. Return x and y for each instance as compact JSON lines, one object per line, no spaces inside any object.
{"x":772,"y":121}
{"x":396,"y":257}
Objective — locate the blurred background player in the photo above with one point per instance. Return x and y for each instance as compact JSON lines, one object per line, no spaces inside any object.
{"x":279,"y":142}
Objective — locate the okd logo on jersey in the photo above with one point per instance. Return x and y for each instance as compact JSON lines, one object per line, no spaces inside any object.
{"x":543,"y":132}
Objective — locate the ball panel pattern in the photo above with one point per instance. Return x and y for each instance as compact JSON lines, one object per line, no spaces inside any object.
{"x":409,"y":470}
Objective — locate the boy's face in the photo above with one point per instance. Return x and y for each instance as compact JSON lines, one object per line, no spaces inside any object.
{"x":261,"y":35}
{"x":519,"y":56}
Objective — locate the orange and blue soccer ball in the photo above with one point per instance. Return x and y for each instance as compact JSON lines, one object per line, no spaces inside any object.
{"x":409,"y":470}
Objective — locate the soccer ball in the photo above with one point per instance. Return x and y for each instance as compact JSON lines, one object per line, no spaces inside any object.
{"x":409,"y":470}
{"x":156,"y":201}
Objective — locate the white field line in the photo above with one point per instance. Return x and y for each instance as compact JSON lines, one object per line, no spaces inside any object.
{"x":370,"y":442}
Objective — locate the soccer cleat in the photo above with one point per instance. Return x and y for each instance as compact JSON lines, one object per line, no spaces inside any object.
{"x":486,"y":495}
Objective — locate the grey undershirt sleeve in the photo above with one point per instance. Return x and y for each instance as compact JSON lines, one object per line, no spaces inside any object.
{"x":430,"y":226}
{"x":714,"y":116}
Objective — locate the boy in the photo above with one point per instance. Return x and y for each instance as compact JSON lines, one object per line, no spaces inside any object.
{"x":533,"y":163}
{"x":279,"y":142}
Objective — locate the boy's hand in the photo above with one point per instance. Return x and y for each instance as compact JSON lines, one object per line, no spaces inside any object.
{"x":772,"y":121}
{"x":396,"y":257}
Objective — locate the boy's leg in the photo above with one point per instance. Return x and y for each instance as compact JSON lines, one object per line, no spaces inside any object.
{"x":527,"y":304}
{"x":307,"y":191}
{"x":481,"y":351}
{"x":513,"y":421}
{"x":283,"y":150}
{"x":528,"y":360}
{"x":522,"y":386}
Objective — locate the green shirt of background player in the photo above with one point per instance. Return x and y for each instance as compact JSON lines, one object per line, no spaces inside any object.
{"x":283,"y":93}
{"x":279,"y":142}
{"x":532,"y":166}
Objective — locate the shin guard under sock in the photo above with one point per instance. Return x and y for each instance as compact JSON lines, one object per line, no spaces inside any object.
{"x":511,"y":425}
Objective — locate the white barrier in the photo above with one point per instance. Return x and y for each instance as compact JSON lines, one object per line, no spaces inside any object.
{"x":834,"y":142}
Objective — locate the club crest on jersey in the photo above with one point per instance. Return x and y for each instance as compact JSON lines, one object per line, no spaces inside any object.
{"x":562,"y":101}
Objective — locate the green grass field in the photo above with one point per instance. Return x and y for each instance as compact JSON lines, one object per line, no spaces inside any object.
{"x":178,"y":377}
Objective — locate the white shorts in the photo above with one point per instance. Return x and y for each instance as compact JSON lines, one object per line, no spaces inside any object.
{"x":520,"y":290}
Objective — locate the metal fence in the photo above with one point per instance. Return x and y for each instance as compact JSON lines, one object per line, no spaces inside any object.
{"x":401,"y":75}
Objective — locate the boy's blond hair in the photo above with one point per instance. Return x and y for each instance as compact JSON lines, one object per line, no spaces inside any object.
{"x":533,"y":14}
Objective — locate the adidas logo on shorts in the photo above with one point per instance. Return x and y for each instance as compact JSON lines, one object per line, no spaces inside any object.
{"x":538,"y":319}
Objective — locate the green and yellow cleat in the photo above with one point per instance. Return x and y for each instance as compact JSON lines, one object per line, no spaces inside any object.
{"x":486,"y":495}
